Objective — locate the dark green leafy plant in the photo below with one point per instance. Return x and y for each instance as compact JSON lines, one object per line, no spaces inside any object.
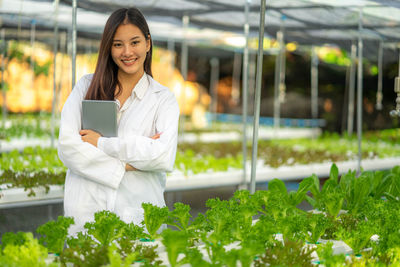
{"x":294,"y":227}
{"x":317,"y":224}
{"x":54,"y":233}
{"x":83,"y":251}
{"x":291,"y":253}
{"x":331,"y":197}
{"x":92,"y":248}
{"x":15,"y":239}
{"x":357,"y":190}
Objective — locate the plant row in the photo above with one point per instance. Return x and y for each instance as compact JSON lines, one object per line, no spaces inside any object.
{"x":363,"y":211}
{"x":36,"y":166}
{"x":28,"y":126}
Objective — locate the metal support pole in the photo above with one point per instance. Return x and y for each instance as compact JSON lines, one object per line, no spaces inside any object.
{"x":3,"y":64}
{"x":214,"y":62}
{"x":184,"y":57}
{"x":352,"y":85}
{"x":359,"y":91}
{"x":282,"y":69}
{"x":61,"y":78}
{"x":252,"y":77}
{"x":245,"y":87}
{"x":21,"y":5}
{"x":184,"y":70}
{"x":379,"y":94}
{"x":55,"y":50}
{"x":257,"y":97}
{"x":74,"y":29}
{"x":314,"y":83}
{"x":276,"y":84}
{"x":345,"y":100}
{"x":279,"y":86}
{"x":396,"y":112}
{"x":237,"y":62}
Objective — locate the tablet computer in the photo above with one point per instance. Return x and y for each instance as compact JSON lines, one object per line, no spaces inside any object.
{"x":100,"y":116}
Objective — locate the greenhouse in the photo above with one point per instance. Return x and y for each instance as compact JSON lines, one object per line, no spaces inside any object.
{"x":200,"y":133}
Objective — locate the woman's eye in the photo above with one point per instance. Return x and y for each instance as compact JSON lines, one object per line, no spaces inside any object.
{"x":117,"y":45}
{"x":135,"y":42}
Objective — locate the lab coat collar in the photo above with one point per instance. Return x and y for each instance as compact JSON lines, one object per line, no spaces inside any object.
{"x":141,"y":87}
{"x":155,"y":86}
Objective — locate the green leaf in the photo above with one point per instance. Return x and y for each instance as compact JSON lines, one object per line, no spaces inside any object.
{"x":299,"y":196}
{"x":175,"y":242}
{"x":277,"y":186}
{"x":28,"y":254}
{"x":334,"y":173}
{"x":311,"y":201}
{"x":54,"y":233}
{"x":154,"y":217}
{"x":180,"y":216}
{"x":15,"y":239}
{"x":107,"y":227}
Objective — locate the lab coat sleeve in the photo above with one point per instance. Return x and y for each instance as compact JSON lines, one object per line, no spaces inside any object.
{"x":147,"y":154}
{"x":81,"y":157}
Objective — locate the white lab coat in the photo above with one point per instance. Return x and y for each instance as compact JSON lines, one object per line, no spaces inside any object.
{"x":96,"y":178}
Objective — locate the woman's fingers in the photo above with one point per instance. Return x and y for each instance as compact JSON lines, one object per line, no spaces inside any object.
{"x":156,"y":136}
{"x":84,"y":132}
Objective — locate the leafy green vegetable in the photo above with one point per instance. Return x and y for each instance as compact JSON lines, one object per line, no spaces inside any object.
{"x":154,"y":217}
{"x":175,"y":242}
{"x":291,"y":253}
{"x":195,"y":258}
{"x":359,"y":236}
{"x":28,"y":254}
{"x":107,"y":227}
{"x":327,"y":257}
{"x":317,"y":224}
{"x":54,"y":233}
{"x":83,"y":251}
{"x":331,"y":197}
{"x":116,"y":260}
{"x":15,"y":239}
{"x":180,"y":216}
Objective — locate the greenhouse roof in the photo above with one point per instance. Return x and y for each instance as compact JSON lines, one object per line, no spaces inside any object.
{"x":308,"y":22}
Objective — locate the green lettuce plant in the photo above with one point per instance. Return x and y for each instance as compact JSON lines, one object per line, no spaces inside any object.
{"x":154,"y":217}
{"x":28,"y":254}
{"x":54,"y":233}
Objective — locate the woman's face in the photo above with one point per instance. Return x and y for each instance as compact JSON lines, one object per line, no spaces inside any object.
{"x":129,"y":49}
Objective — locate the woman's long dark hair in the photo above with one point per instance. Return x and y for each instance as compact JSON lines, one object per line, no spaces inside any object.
{"x":105,"y":78}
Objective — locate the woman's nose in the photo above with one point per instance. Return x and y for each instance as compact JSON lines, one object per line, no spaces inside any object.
{"x":127,"y":51}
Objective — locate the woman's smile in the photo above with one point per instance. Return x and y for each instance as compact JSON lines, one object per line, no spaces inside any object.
{"x":129,"y":62}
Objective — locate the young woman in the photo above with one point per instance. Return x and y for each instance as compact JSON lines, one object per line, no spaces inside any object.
{"x":119,"y":173}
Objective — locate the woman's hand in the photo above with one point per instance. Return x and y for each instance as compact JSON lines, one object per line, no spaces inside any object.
{"x":130,"y":167}
{"x":90,"y":136}
{"x":156,"y":136}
